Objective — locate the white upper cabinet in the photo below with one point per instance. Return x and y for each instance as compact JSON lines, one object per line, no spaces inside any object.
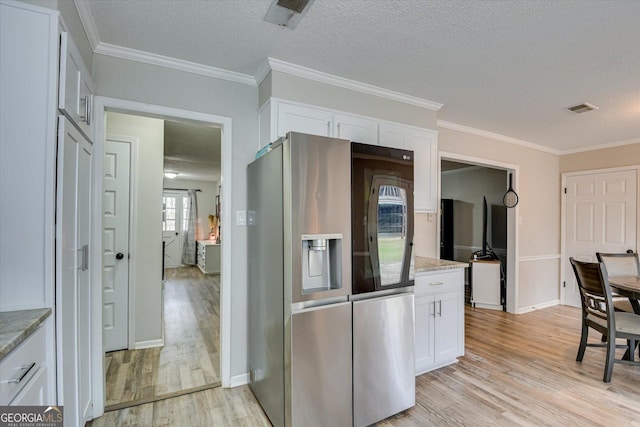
{"x":424,"y":144}
{"x":355,"y":128}
{"x":279,"y":117}
{"x":75,"y":96}
{"x":295,"y":118}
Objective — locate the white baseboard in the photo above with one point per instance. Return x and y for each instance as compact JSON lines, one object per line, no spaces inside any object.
{"x":546,"y":304}
{"x":238,"y":380}
{"x":149,"y":344}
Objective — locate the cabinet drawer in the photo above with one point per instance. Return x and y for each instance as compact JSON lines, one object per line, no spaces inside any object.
{"x":441,"y":281}
{"x":21,"y":364}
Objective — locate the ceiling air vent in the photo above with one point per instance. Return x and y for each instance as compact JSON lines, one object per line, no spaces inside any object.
{"x":582,"y":108}
{"x":287,"y":13}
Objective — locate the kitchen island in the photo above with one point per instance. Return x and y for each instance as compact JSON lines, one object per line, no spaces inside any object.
{"x":439,"y":312}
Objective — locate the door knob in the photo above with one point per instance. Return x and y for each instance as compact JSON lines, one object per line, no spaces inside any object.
{"x":119,"y":255}
{"x":176,"y":233}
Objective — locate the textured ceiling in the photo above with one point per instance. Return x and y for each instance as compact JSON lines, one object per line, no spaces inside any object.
{"x":508,"y":67}
{"x":192,"y":150}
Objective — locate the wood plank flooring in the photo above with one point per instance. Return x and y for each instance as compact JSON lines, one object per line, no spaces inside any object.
{"x":190,"y":358}
{"x":518,"y":370}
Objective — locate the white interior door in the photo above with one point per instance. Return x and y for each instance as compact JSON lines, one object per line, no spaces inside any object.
{"x":73,"y":287}
{"x":600,"y":217}
{"x":115,"y":244}
{"x":172,"y":212}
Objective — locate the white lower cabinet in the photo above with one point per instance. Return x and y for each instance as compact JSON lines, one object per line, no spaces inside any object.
{"x":208,"y":256}
{"x":439,"y":321}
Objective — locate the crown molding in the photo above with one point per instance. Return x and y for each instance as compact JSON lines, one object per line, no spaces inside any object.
{"x":88,"y":22}
{"x":319,"y":76}
{"x":176,"y":64}
{"x":497,"y":136}
{"x":603,"y":146}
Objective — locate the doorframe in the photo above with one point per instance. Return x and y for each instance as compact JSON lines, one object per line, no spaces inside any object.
{"x":133,"y":209}
{"x":512,"y":216}
{"x":101,"y":106}
{"x":563,"y":215}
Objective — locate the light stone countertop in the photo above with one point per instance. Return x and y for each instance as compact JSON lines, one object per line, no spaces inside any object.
{"x":425,"y":265}
{"x":16,"y":326}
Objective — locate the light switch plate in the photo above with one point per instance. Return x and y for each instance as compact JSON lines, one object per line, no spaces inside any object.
{"x":241,"y":217}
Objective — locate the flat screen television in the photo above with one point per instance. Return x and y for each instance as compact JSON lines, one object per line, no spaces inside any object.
{"x":484,"y":226}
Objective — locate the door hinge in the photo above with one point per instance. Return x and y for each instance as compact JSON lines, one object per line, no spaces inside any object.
{"x":564,"y":284}
{"x":565,"y":190}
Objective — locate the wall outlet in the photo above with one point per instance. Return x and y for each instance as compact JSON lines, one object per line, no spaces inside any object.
{"x":241,"y":217}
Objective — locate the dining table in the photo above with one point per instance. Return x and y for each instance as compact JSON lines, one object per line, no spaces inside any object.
{"x":627,"y":286}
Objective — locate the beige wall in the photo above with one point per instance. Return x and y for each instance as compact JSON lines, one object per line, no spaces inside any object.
{"x":625,"y":155}
{"x":128,"y":80}
{"x":147,"y":246}
{"x":538,"y":186}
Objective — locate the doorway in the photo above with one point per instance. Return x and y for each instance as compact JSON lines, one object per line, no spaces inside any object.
{"x":140,"y":251}
{"x":463,"y":175}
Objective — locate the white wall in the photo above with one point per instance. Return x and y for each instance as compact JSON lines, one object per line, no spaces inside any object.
{"x":539,"y":210}
{"x":206,"y":199}
{"x":147,"y":246}
{"x":129,"y":80}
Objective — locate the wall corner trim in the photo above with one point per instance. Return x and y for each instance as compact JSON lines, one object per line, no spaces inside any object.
{"x":88,"y":23}
{"x":497,"y":137}
{"x":238,"y":380}
{"x":319,"y":76}
{"x":176,"y":64}
{"x":149,"y":344}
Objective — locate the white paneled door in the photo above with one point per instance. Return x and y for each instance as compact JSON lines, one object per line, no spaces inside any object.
{"x":173,"y":206}
{"x":600,"y":217}
{"x":115,"y":243}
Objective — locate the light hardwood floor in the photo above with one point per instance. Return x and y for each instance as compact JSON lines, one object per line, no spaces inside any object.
{"x":518,"y":370}
{"x":190,"y":358}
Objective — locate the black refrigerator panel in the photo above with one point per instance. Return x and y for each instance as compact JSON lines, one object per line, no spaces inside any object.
{"x":381,"y":217}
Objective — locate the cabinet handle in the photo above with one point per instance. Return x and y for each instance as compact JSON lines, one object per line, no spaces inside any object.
{"x":433,"y":312}
{"x":436,"y":283}
{"x":26,"y":369}
{"x":87,"y":110}
{"x":440,"y":308}
{"x":84,"y":265}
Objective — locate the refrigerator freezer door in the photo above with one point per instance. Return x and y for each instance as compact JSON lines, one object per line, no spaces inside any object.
{"x":383,"y":358}
{"x":321,"y":366}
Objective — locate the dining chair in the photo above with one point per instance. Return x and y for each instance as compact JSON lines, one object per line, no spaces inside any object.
{"x":620,"y":264}
{"x":598,"y":313}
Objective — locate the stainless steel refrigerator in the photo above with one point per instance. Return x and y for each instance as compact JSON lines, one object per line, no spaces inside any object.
{"x":320,"y":354}
{"x":299,"y":275}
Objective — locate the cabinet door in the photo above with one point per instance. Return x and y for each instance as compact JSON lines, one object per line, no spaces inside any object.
{"x":425,"y":171}
{"x":449,"y":332}
{"x":294,"y":118}
{"x":356,"y":129}
{"x":75,"y":96}
{"x":423,"y":143}
{"x":73,"y":287}
{"x":424,"y":330}
{"x":35,"y":392}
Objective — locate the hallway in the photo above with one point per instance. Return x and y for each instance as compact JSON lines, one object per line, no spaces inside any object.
{"x":190,"y":358}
